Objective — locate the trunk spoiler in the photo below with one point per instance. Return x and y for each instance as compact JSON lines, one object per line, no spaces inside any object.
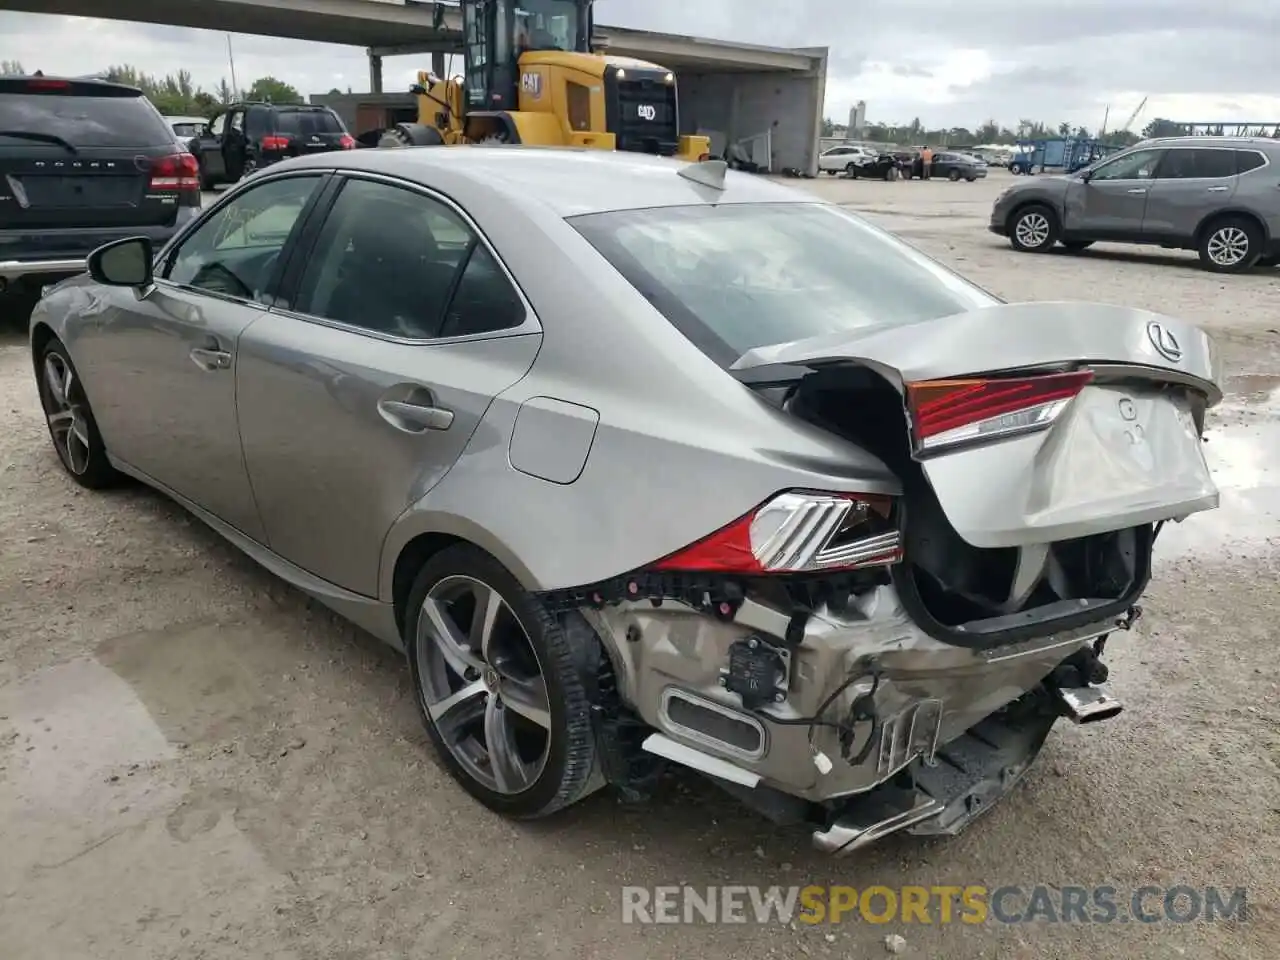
{"x":1013,"y":336}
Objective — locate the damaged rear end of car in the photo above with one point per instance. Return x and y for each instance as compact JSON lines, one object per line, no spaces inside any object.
{"x":873,"y":663}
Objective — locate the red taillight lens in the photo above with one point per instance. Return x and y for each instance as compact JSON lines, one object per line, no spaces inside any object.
{"x":347,"y":142}
{"x":48,"y":85}
{"x":949,"y":412}
{"x":798,"y":533}
{"x":274,"y":143}
{"x":704,"y":156}
{"x":178,"y":172}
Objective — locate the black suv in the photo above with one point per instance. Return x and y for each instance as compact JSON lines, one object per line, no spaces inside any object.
{"x":82,"y":162}
{"x":249,"y":136}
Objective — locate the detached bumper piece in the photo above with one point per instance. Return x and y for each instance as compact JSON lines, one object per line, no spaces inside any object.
{"x":965,"y":779}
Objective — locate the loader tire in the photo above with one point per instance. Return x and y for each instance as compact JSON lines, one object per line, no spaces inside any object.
{"x":410,"y":135}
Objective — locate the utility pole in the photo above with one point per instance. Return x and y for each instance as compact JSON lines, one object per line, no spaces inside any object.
{"x":235,"y":89}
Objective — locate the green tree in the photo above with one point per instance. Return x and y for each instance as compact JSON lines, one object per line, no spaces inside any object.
{"x":1160,"y":127}
{"x":273,"y":91}
{"x":11,"y":68}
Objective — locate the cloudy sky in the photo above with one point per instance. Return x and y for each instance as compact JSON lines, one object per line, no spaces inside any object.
{"x":946,"y":63}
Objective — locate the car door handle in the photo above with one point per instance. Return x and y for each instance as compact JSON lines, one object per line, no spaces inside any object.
{"x":1138,"y":190}
{"x":210,"y":358}
{"x":1219,"y":189}
{"x":415,"y":417}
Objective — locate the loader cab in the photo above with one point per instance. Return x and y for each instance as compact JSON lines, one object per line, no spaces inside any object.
{"x":497,"y":32}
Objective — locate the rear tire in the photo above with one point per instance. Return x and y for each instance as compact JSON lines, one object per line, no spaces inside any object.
{"x":525,"y":670}
{"x":851,"y":172}
{"x":72,"y":428}
{"x":1034,"y":229}
{"x":954,"y":176}
{"x":1230,"y":245}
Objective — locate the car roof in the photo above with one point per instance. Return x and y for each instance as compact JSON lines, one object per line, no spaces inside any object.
{"x":1240,"y":143}
{"x":567,"y":180}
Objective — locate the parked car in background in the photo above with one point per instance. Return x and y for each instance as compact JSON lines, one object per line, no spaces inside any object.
{"x":82,"y":162}
{"x":874,"y":166}
{"x":185,"y":128}
{"x":854,"y":560}
{"x":958,"y":166}
{"x":842,"y":159}
{"x":1217,"y":196}
{"x":249,"y":136}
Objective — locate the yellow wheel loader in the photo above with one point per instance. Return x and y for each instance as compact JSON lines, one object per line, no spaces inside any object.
{"x":530,"y":77}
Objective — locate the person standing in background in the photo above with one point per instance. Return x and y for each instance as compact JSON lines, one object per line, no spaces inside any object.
{"x":926,"y":162}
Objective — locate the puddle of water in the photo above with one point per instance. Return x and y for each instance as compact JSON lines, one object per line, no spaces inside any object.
{"x":1245,"y":460}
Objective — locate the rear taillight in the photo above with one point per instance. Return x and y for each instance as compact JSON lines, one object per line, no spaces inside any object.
{"x":798,"y":533}
{"x":179,"y":172}
{"x":946,"y":413}
{"x":347,"y":142}
{"x":39,"y":84}
{"x":274,"y":143}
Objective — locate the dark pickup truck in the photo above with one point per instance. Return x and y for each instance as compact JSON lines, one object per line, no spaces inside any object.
{"x":82,"y":163}
{"x":249,"y":136}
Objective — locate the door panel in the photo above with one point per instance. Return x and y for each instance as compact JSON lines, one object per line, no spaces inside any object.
{"x":343,"y":431}
{"x":1113,"y":202}
{"x":1190,"y":183}
{"x":169,"y":406}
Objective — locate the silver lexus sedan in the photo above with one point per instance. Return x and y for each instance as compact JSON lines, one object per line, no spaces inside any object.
{"x":644,"y":463}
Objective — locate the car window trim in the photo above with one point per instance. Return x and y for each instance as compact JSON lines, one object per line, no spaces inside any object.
{"x":530,"y":325}
{"x":164,"y":258}
{"x":1187,"y":146}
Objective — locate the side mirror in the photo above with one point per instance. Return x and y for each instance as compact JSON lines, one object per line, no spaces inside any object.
{"x":1086,"y":175}
{"x":123,"y":263}
{"x":418,"y":90}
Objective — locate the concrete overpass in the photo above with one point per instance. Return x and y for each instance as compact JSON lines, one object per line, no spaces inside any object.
{"x":734,"y":90}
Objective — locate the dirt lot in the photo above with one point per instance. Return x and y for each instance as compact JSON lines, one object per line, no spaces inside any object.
{"x":198,"y":762}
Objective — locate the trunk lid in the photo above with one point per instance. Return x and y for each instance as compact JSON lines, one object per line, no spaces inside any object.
{"x":1124,"y":451}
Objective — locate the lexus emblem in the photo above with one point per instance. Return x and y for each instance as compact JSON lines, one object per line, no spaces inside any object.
{"x":1164,"y":341}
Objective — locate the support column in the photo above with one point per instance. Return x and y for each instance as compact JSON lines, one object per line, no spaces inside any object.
{"x":375,"y":73}
{"x":437,"y":64}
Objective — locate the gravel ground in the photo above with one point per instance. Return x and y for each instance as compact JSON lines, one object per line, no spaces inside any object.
{"x":198,"y":762}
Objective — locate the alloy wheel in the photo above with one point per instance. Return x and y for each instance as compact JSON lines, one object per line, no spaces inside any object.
{"x":64,"y":407}
{"x":1228,"y":246}
{"x":482,"y":685}
{"x":1032,"y":230}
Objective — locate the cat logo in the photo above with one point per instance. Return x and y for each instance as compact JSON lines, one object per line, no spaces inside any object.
{"x":647,"y":111}
{"x":531,"y":83}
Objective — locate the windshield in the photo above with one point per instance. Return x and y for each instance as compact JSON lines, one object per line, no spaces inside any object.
{"x":306,"y":122}
{"x":547,"y":25}
{"x":739,"y":276}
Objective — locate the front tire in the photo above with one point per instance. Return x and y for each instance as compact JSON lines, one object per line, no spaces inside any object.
{"x":954,"y":176}
{"x":499,"y":684}
{"x":1034,"y":229}
{"x":851,"y":172}
{"x":1230,"y":245}
{"x":72,"y":428}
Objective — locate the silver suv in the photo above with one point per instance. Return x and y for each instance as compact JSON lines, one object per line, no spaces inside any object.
{"x":1217,"y":195}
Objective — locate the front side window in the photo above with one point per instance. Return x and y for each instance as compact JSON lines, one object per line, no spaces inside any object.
{"x":546,"y":24}
{"x":393,"y":261}
{"x":739,"y":276}
{"x":237,"y":121}
{"x":1139,"y":165}
{"x":218,"y":124}
{"x":234,"y":253}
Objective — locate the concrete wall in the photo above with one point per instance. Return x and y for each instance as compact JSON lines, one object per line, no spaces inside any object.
{"x":741,"y":105}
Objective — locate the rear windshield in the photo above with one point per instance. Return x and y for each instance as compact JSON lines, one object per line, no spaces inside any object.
{"x":84,"y":121}
{"x":307,"y":122}
{"x":739,"y":276}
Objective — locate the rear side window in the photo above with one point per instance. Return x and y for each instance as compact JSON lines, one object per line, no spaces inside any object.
{"x":1197,"y":164}
{"x":306,"y":122}
{"x":739,"y":276}
{"x":83,"y":121}
{"x":1247,"y":160}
